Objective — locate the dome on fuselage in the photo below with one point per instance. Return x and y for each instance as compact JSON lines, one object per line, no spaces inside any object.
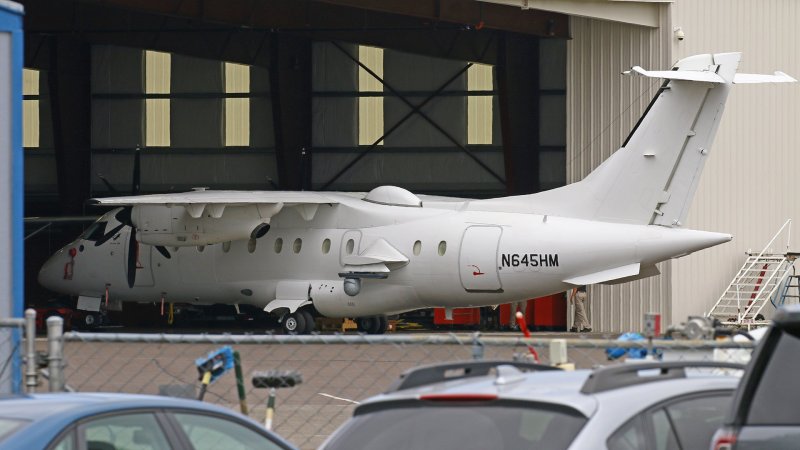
{"x":394,"y":196}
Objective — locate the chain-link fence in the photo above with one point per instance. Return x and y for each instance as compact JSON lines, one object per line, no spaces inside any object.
{"x":9,"y":355}
{"x":337,"y":370}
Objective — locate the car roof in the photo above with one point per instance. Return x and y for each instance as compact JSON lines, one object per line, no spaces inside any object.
{"x":563,"y":388}
{"x":52,"y":412}
{"x":36,"y":407}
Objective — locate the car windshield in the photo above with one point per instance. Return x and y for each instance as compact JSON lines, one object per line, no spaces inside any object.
{"x":9,"y":426}
{"x":506,"y":425}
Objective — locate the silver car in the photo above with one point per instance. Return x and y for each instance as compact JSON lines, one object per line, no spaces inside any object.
{"x":513,"y":405}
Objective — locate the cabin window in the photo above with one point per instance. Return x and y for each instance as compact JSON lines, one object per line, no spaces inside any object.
{"x":251,"y":245}
{"x":200,"y":248}
{"x":326,"y":246}
{"x":350,"y":246}
{"x":417,"y":248}
{"x":278,"y":245}
{"x":226,"y":246}
{"x":298,"y":244}
{"x":442,"y":248}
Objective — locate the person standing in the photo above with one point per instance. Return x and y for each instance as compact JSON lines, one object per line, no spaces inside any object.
{"x":581,"y":322}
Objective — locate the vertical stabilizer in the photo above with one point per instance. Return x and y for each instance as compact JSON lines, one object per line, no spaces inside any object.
{"x":652,"y":178}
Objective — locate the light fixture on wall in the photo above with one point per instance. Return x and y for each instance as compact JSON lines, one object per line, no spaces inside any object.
{"x":679,"y":34}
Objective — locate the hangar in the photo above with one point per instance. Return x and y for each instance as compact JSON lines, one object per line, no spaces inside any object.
{"x":454,"y":97}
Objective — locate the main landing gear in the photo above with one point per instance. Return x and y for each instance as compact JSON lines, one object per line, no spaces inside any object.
{"x":298,"y":322}
{"x":372,"y":324}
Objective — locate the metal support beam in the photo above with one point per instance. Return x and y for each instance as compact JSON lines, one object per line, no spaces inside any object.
{"x":290,"y":84}
{"x":415,"y":109}
{"x":70,"y":72}
{"x":518,"y":92}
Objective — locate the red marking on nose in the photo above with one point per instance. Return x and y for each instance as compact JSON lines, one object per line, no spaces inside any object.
{"x":73,"y":252}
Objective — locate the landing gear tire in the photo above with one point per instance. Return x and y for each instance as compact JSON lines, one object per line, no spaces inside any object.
{"x":372,"y":324}
{"x":383,"y":325}
{"x":294,"y":323}
{"x":91,"y":321}
{"x":309,"y":321}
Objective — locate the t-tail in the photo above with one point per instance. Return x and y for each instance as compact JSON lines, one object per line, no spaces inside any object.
{"x":652,"y":178}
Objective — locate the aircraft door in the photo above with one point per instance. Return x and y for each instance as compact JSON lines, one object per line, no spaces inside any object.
{"x":478,"y":259}
{"x":351,"y":240}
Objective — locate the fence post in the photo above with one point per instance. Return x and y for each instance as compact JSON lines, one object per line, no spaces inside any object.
{"x":31,"y":372}
{"x":477,"y":346}
{"x":55,"y":352}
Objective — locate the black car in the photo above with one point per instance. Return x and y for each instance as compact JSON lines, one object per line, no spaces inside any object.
{"x":766,"y":406}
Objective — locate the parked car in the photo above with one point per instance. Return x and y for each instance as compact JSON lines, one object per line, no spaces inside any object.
{"x":765,"y":411}
{"x":68,"y":421}
{"x":656,"y":405}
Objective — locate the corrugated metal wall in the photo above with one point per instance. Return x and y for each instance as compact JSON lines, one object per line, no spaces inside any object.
{"x":749,"y":184}
{"x":602,"y":107}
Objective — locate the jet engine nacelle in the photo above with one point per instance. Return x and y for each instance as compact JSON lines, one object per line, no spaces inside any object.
{"x":174,"y":226}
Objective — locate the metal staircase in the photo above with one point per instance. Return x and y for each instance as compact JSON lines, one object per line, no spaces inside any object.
{"x":758,"y":281}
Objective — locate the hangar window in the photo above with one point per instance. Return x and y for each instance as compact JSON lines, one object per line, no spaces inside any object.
{"x":237,"y":105}
{"x":370,"y":100}
{"x":326,"y":246}
{"x":297,"y":245}
{"x":417,"y":248}
{"x":480,"y":85}
{"x":157,"y":108}
{"x":251,"y":245}
{"x":30,"y":108}
{"x":278,"y":245}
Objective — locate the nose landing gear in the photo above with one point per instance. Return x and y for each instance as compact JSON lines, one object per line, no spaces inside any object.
{"x":298,"y":322}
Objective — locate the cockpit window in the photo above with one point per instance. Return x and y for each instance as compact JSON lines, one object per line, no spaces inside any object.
{"x":95,"y":231}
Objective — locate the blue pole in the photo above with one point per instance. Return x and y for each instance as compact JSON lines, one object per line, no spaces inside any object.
{"x":11,"y":22}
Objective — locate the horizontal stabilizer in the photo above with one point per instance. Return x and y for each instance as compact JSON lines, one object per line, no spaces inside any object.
{"x":645,"y":272}
{"x":605,"y":275}
{"x":686,"y":75}
{"x":748,"y":78}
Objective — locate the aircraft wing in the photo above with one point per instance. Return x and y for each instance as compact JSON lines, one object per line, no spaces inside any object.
{"x":196,"y":202}
{"x":209,"y":197}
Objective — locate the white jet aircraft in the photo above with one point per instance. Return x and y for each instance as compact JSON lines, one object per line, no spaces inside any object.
{"x":305,"y":254}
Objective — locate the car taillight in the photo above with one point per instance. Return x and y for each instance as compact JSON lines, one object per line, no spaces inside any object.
{"x":458,"y":397}
{"x":724,"y":439}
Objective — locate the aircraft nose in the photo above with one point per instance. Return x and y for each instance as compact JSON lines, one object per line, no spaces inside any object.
{"x":54,"y":271}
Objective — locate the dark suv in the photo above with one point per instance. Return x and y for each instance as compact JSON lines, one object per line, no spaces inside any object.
{"x":766,"y":406}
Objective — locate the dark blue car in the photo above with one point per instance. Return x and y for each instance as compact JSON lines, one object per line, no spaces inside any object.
{"x":82,"y":421}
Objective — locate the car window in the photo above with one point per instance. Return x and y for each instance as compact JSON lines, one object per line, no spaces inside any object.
{"x":662,"y":431}
{"x":9,"y":426}
{"x":773,"y":402}
{"x":449,"y":427}
{"x":212,"y":433}
{"x":630,"y":436}
{"x":66,"y":442}
{"x":686,"y":423}
{"x":139,"y":431}
{"x":696,"y":419}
